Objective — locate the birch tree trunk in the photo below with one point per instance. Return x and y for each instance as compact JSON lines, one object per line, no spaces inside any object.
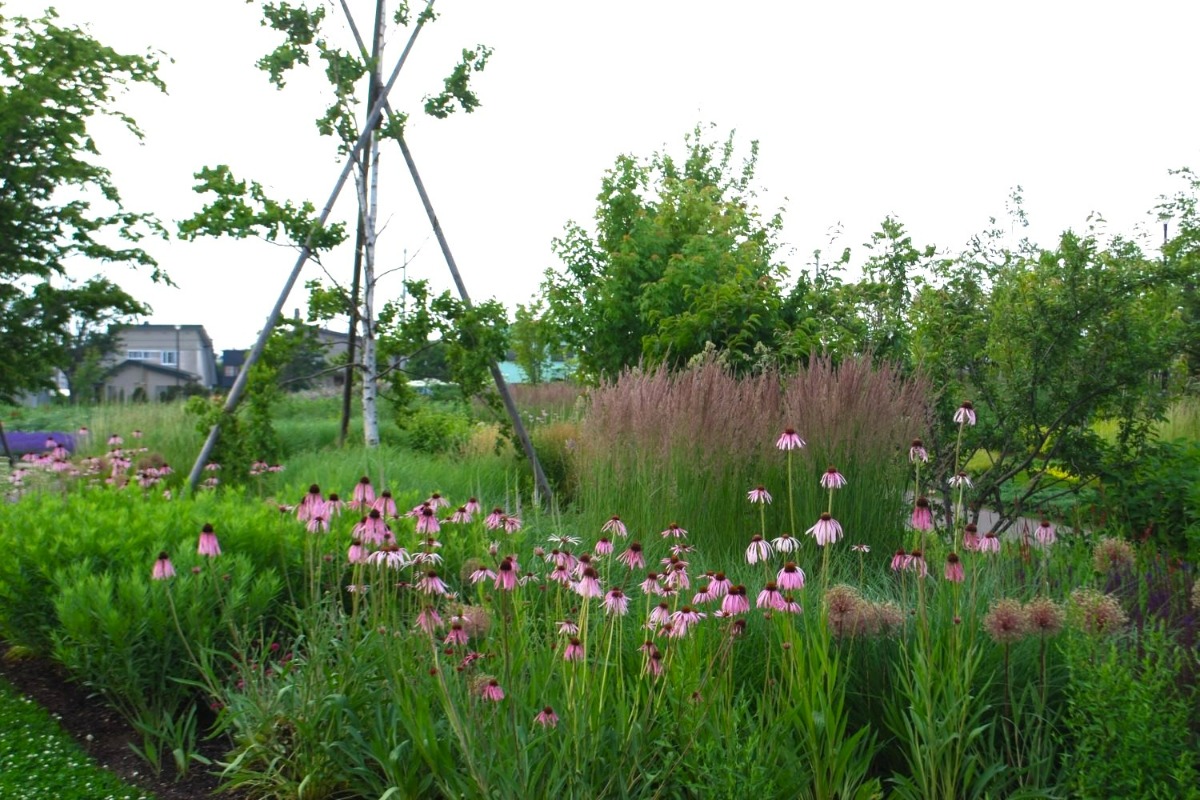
{"x":369,"y":208}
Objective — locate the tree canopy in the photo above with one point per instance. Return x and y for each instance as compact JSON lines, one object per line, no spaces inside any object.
{"x":57,"y":203}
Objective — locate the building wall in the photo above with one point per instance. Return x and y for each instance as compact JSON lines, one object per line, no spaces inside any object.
{"x":188,"y":349}
{"x":123,"y":386}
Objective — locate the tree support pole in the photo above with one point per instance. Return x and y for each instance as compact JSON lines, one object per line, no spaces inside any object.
{"x":539,"y":476}
{"x":239,"y":385}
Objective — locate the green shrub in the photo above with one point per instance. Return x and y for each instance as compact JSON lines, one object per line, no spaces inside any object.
{"x":428,"y":428}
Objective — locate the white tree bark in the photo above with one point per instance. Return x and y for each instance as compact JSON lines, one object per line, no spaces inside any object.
{"x":369,"y":206}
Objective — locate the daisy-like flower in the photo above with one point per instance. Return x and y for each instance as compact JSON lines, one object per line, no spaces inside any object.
{"x":457,"y":637}
{"x":163,"y":568}
{"x":954,"y":568}
{"x":115,"y":441}
{"x":971,"y":538}
{"x":512,"y":524}
{"x":789,"y":605}
{"x":785,"y":543}
{"x":916,"y":563}
{"x":614,"y":526}
{"x":357,"y":554}
{"x":826,"y":531}
{"x":922,"y":515}
{"x":546,"y":718}
{"x":832,"y":479}
{"x":759,"y":549}
{"x":437,"y":501}
{"x":589,"y":584}
{"x":333,"y":505}
{"x":720,"y":585}
{"x":495,"y":520}
{"x":673,"y":530}
{"x":789,"y":440}
{"x":769,"y":597}
{"x":702,"y":596}
{"x":616,"y":602}
{"x":389,"y":556}
{"x":319,"y":521}
{"x":791,"y":577}
{"x":491,"y":691}
{"x":1045,"y":533}
{"x":758,"y":494}
{"x":506,"y":575}
{"x":373,"y":529}
{"x":898,"y":560}
{"x":735,"y":602}
{"x":574,"y":650}
{"x":461,"y":516}
{"x":482,"y":574}
{"x":427,"y":521}
{"x":208,"y":542}
{"x":430,"y":583}
{"x":568,"y":627}
{"x":603,"y":547}
{"x":683,"y":619}
{"x":428,"y":620}
{"x":965,"y":415}
{"x":385,"y":504}
{"x":654,"y":667}
{"x":633,"y":558}
{"x":990,"y":543}
{"x":861,"y":548}
{"x":363,"y":495}
{"x":562,"y":539}
{"x":660,"y":614}
{"x":917,"y":452}
{"x":560,"y":574}
{"x":650,"y":586}
{"x":961,"y":479}
{"x":473,"y":506}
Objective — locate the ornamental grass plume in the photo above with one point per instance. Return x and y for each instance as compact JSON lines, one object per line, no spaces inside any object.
{"x":1007,"y":621}
{"x":1096,"y":613}
{"x":1112,"y":555}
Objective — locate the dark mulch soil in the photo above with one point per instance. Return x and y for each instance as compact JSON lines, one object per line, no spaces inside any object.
{"x":101,"y":731}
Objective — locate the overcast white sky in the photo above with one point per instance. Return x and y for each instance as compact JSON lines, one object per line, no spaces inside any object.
{"x":929,"y":111}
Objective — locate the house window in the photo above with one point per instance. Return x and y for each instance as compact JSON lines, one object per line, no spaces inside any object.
{"x":231,"y":370}
{"x":168,"y":357}
{"x":142,"y":355}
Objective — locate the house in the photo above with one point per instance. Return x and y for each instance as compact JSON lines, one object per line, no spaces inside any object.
{"x":231,"y":364}
{"x":158,"y":362}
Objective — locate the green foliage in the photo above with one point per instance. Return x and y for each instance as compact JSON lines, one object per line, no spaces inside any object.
{"x":456,"y":91}
{"x":427,"y":428}
{"x":57,"y":203}
{"x":532,"y":339}
{"x":1127,"y":732}
{"x":680,"y":257}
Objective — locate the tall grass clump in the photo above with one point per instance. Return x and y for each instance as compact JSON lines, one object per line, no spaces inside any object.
{"x":697,"y":441}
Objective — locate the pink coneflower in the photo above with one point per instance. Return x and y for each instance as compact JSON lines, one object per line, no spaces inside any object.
{"x":83,"y":431}
{"x":473,"y":506}
{"x":457,"y":637}
{"x":735,"y":602}
{"x":495,"y":520}
{"x":568,"y":627}
{"x":720,"y":585}
{"x":461,"y":516}
{"x":633,"y":557}
{"x":954,"y":568}
{"x":660,"y":614}
{"x":208,"y":542}
{"x":491,"y":691}
{"x":1044,"y":534}
{"x":965,"y":415}
{"x":137,"y":434}
{"x":163,"y":568}
{"x":922,"y":515}
{"x":385,"y":504}
{"x":319,"y":521}
{"x":357,"y":554}
{"x":832,"y":479}
{"x":603,"y":547}
{"x":310,"y":500}
{"x":363,"y":495}
{"x":614,"y":526}
{"x":861,"y":548}
{"x":212,"y":466}
{"x":990,"y":543}
{"x":759,"y":494}
{"x":677,"y":577}
{"x":427,"y":521}
{"x":585,"y":561}
{"x":428,"y":620}
{"x":589,"y":584}
{"x":682,"y":620}
{"x":961,"y":479}
{"x":373,"y":529}
{"x":702,"y":596}
{"x":546,"y":718}
{"x":115,"y":441}
{"x":512,"y":523}
{"x":826,"y":531}
{"x":789,"y":440}
{"x":917,"y":452}
{"x":915,"y":562}
{"x":759,"y":549}
{"x":389,"y":556}
{"x":650,"y":586}
{"x":430,"y":583}
{"x":616,"y":602}
{"x":971,"y":539}
{"x":482,"y":574}
{"x":789,"y":605}
{"x":791,"y":577}
{"x":574,"y":650}
{"x":769,"y":597}
{"x":437,"y":501}
{"x":506,"y":576}
{"x":560,"y":574}
{"x":785,"y":543}
{"x":654,"y":666}
{"x":673,"y":530}
{"x":681,"y":548}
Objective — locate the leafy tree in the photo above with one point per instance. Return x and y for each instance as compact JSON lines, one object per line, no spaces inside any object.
{"x":56,"y":202}
{"x":532,"y":340}
{"x":680,"y":257}
{"x":96,"y":307}
{"x":1181,"y":253}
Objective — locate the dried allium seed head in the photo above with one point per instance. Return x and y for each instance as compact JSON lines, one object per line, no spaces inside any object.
{"x":1096,"y":613}
{"x":1111,"y":555}
{"x":1007,"y":621}
{"x":1045,"y":616}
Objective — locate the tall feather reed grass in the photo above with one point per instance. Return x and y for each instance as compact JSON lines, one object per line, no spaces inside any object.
{"x":692,"y":444}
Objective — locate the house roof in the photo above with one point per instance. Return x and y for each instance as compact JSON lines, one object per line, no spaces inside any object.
{"x":146,"y":326}
{"x":152,"y":367}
